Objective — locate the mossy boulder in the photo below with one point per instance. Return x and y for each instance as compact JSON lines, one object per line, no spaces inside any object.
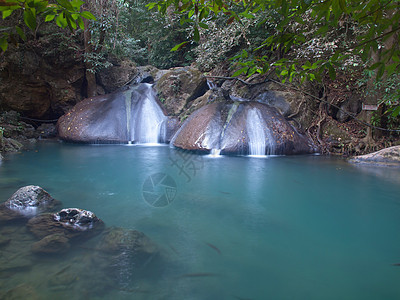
{"x":178,"y":87}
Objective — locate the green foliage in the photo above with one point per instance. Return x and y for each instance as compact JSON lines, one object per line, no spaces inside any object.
{"x":381,"y":17}
{"x":129,"y":30}
{"x":65,"y":13}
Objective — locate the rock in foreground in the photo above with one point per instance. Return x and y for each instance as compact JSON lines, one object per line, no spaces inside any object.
{"x":27,"y":202}
{"x":70,"y":222}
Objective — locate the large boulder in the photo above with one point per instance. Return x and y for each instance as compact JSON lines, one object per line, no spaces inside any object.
{"x":27,"y":202}
{"x":178,"y":87}
{"x":385,"y":157}
{"x":134,"y":115}
{"x":241,"y":128}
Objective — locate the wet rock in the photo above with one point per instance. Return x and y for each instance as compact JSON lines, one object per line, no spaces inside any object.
{"x":388,"y":157}
{"x":44,"y":225}
{"x":116,"y":240}
{"x":180,"y":86}
{"x":11,"y":145}
{"x":31,"y":200}
{"x":69,"y":222}
{"x":54,"y":243}
{"x":123,"y":254}
{"x":239,"y":128}
{"x":133,"y":115}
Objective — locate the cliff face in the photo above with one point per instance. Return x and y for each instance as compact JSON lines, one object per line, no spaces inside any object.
{"x":40,"y":83}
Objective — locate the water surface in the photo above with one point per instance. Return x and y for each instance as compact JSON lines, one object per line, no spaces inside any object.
{"x":301,"y":227}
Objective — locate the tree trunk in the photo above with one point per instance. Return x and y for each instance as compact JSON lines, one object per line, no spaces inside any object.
{"x":91,"y":88}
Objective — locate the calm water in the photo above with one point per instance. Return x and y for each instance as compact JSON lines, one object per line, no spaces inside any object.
{"x":305,"y":227}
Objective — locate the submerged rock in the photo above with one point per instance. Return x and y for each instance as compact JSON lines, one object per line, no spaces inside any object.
{"x":22,"y":291}
{"x":118,"y":239}
{"x":385,"y":157}
{"x":70,"y":222}
{"x":27,"y":202}
{"x":53,"y":243}
{"x":123,"y":254}
{"x":241,"y":128}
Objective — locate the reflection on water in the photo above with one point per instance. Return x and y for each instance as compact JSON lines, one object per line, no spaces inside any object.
{"x":305,"y":227}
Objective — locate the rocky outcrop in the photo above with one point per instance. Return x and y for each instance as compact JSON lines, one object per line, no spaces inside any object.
{"x":385,"y":157}
{"x":241,"y":128}
{"x":288,"y":100}
{"x":178,"y":87}
{"x":40,"y":84}
{"x":27,"y":202}
{"x":117,"y":75}
{"x":133,"y":115}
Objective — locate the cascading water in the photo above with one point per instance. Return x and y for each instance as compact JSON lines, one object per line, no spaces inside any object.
{"x":147,"y":119}
{"x":132,"y":116}
{"x":261,"y":141}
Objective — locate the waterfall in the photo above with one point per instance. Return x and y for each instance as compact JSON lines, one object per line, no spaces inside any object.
{"x":261,"y":141}
{"x":147,"y":121}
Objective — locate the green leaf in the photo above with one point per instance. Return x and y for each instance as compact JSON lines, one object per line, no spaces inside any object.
{"x":61,"y":21}
{"x":374,"y":66}
{"x":196,"y":35}
{"x":381,"y":70}
{"x":396,"y":111}
{"x":20,"y":33}
{"x":66,"y":4}
{"x":7,"y":13}
{"x":179,"y":46}
{"x":331,"y":72}
{"x":49,"y":18}
{"x":247,"y":15}
{"x":80,"y":23}
{"x":30,"y":19}
{"x":151,"y":5}
{"x":203,"y":25}
{"x":342,"y":4}
{"x":240,"y":71}
{"x":87,"y":15}
{"x":3,"y":43}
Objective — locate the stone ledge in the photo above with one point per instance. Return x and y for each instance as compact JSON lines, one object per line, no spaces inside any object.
{"x":388,"y":157}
